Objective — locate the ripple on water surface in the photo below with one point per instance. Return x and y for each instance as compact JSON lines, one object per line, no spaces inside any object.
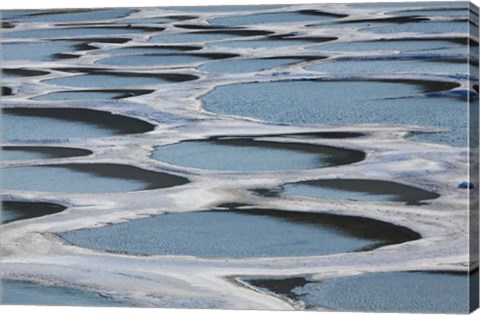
{"x":394,"y":66}
{"x":426,"y":292}
{"x":241,"y":233}
{"x":28,"y":293}
{"x":86,"y":178}
{"x":40,"y":124}
{"x":347,"y":102}
{"x":251,"y":155}
{"x":422,"y":28}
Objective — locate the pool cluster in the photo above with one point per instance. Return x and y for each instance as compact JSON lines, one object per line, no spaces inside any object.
{"x":78,"y":84}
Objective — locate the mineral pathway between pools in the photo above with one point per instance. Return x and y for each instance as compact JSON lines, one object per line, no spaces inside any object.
{"x":31,"y":251}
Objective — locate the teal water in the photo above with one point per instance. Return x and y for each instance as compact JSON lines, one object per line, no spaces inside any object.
{"x":37,"y":51}
{"x":68,"y":32}
{"x":245,"y":66}
{"x":108,"y":81}
{"x":347,"y":25}
{"x":41,"y":124}
{"x":59,"y":16}
{"x":421,"y":27}
{"x":358,"y":190}
{"x":433,"y":13}
{"x":80,"y":95}
{"x":28,"y":293}
{"x":392,"y":66}
{"x":425,"y":4}
{"x":223,"y":8}
{"x":266,"y":18}
{"x":260,"y":43}
{"x":346,"y":102}
{"x":86,"y":178}
{"x":155,"y":20}
{"x":151,"y":60}
{"x":418,"y":46}
{"x":249,"y":155}
{"x":137,"y":50}
{"x":249,"y":233}
{"x":419,"y":292}
{"x":190,"y":37}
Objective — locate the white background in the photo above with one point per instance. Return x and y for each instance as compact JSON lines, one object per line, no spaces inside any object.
{"x":46,"y":4}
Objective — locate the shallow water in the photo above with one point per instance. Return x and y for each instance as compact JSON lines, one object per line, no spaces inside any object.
{"x":345,"y":102}
{"x":86,"y":178}
{"x":151,"y":60}
{"x":109,"y":80}
{"x":70,"y":16}
{"x":42,"y":124}
{"x":19,"y":210}
{"x":393,"y":66}
{"x":27,"y":293}
{"x":41,"y":51}
{"x":245,"y":66}
{"x":255,"y":155}
{"x":446,"y":52}
{"x":90,"y":95}
{"x":155,"y":20}
{"x":267,"y":18}
{"x":433,"y":13}
{"x":260,"y":43}
{"x":249,"y":233}
{"x":424,"y":4}
{"x":358,"y":190}
{"x":352,"y":25}
{"x":137,"y":50}
{"x":421,"y":27}
{"x":190,"y":37}
{"x":223,"y":8}
{"x":423,"y":292}
{"x":68,"y":32}
{"x":418,"y":46}
{"x":34,"y":153}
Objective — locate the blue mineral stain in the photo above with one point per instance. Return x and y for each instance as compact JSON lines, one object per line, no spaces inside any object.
{"x":465,"y":185}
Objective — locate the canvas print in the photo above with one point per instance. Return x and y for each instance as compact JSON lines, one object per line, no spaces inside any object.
{"x":274,"y":157}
